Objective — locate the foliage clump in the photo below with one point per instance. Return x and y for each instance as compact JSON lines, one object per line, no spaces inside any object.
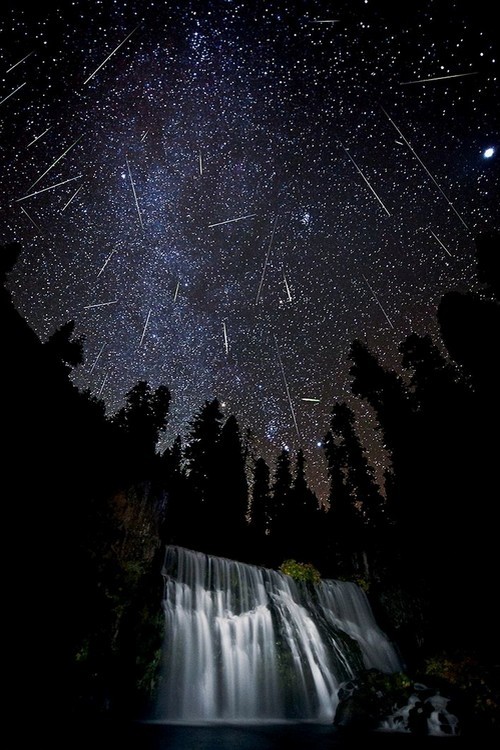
{"x":305,"y":572}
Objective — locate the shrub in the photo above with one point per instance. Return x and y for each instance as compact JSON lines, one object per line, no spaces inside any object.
{"x":305,"y":572}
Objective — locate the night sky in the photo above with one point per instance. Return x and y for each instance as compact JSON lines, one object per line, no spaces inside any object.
{"x":224,"y":194}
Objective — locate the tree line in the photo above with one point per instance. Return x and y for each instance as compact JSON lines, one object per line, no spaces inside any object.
{"x":90,"y":501}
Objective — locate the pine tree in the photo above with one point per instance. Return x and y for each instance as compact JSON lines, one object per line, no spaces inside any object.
{"x":394,"y":407}
{"x":261,"y":501}
{"x":231,"y":505}
{"x":488,"y":261}
{"x":141,"y":420}
{"x":302,"y":518}
{"x":280,"y":497}
{"x":202,"y":456}
{"x":444,"y":412}
{"x":470,"y":328}
{"x":361,"y":486}
{"x":344,"y":520}
{"x":175,"y":527}
{"x":60,"y":345}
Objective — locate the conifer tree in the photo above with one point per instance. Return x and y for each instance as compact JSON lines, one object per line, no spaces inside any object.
{"x":202,"y":456}
{"x":488,"y":261}
{"x":301,"y":518}
{"x":369,"y":523}
{"x":231,"y":504}
{"x":280,"y":497}
{"x":261,"y":501}
{"x":344,"y":521}
{"x":62,"y":347}
{"x":394,"y":407}
{"x":175,"y":527}
{"x":141,"y":420}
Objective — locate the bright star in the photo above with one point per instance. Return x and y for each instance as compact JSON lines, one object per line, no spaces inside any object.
{"x":488,"y":153}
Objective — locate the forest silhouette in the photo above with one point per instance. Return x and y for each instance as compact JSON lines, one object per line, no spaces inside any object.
{"x":90,"y":502}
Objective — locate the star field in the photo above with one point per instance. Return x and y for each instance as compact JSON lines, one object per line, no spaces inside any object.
{"x":223,"y":195}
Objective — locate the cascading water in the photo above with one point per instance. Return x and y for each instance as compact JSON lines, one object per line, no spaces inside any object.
{"x":244,"y":643}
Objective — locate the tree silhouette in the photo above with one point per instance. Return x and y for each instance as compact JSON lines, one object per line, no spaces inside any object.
{"x":344,"y":520}
{"x":202,"y":456}
{"x":362,"y":488}
{"x":9,"y":255}
{"x":300,"y":523}
{"x":230,"y":506}
{"x":394,"y":409}
{"x":470,"y":328}
{"x":260,"y":512}
{"x":488,"y":261}
{"x":176,"y":524}
{"x":141,"y":421}
{"x":280,"y":497}
{"x":61,"y":347}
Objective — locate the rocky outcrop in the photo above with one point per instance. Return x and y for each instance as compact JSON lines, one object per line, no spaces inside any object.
{"x":394,"y":703}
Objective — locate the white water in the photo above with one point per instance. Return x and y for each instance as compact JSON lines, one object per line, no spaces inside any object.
{"x":244,"y":643}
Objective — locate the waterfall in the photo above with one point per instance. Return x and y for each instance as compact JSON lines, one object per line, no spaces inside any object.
{"x":246,"y":643}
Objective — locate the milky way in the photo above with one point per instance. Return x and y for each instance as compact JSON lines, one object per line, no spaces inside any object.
{"x":223,"y":195}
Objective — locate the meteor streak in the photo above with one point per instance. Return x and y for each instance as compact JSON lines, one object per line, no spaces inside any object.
{"x":226,"y":345}
{"x":378,"y":301}
{"x":444,"y":248}
{"x":228,"y":221}
{"x":38,"y":136}
{"x":51,"y":187}
{"x":365,"y":179}
{"x":12,"y":93}
{"x":101,"y":304}
{"x":287,"y":287}
{"x":113,"y":251}
{"x":54,"y":164}
{"x":177,"y":290}
{"x":266,"y":260}
{"x":73,"y":196}
{"x":103,"y":384}
{"x":417,"y":157}
{"x":32,"y":220}
{"x":145,"y":326}
{"x":292,"y":410}
{"x":96,"y":359}
{"x":19,"y":62}
{"x":135,"y":194}
{"x":200,"y":162}
{"x":313,"y":400}
{"x":439,"y":78}
{"x":110,"y":55}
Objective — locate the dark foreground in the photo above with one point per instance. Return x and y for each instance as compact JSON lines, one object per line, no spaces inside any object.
{"x":289,"y":736}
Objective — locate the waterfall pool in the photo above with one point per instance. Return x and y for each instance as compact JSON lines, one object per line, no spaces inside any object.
{"x":260,"y":736}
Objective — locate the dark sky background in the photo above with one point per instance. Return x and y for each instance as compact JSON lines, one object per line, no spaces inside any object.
{"x":352,"y":187}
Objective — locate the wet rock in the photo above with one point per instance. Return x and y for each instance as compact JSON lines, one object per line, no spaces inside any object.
{"x":394,"y":703}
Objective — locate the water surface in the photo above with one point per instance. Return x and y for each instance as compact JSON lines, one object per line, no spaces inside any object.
{"x":258,"y":736}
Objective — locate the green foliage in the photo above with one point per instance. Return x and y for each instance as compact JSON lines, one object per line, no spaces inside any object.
{"x":391,"y":685}
{"x":305,"y":572}
{"x":360,"y":581}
